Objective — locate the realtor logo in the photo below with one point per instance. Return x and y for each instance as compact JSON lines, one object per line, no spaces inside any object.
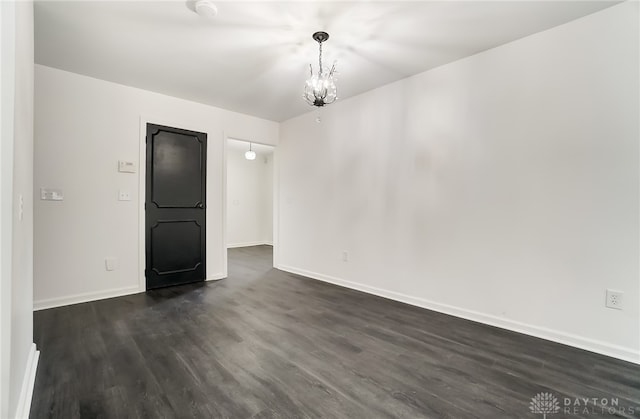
{"x":544,"y":404}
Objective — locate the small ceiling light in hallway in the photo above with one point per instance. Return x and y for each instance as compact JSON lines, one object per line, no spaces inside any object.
{"x":250,"y":155}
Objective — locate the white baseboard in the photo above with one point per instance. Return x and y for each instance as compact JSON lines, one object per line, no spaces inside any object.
{"x":100,"y":295}
{"x":248,"y":244}
{"x":28,"y":381}
{"x":604,"y":348}
{"x":216,"y":277}
{"x":84,"y":297}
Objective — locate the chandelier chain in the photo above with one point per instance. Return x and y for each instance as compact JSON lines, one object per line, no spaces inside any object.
{"x":320,"y":58}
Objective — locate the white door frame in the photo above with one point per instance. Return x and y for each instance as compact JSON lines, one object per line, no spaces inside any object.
{"x":275,"y":211}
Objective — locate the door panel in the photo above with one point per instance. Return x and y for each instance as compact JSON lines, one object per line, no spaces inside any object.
{"x":177,"y":175}
{"x":175,"y":210}
{"x":176,"y":246}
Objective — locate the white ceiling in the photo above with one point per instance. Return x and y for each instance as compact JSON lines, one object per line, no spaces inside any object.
{"x":253,"y":57}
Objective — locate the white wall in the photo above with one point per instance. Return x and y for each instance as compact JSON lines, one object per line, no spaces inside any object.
{"x":501,"y":188}
{"x":7,"y":108}
{"x":18,"y":356}
{"x":249,"y":199}
{"x":83,"y":127}
{"x":23,"y":357}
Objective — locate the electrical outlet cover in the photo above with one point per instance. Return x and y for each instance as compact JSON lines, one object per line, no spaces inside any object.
{"x":124,"y":196}
{"x":614,"y":299}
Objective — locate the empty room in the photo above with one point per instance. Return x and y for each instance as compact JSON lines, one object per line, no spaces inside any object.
{"x":320,"y":209}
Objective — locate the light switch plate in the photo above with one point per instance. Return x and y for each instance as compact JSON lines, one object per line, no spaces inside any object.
{"x":47,"y":194}
{"x":111,"y":264}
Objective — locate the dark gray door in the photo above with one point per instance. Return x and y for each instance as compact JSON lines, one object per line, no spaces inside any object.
{"x":175,"y":206}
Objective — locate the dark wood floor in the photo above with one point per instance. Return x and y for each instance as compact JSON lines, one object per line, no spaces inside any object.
{"x":268,"y":344}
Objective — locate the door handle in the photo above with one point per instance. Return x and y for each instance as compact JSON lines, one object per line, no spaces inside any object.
{"x":200,"y":205}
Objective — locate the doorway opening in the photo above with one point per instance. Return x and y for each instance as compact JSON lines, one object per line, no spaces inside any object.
{"x":250,"y":191}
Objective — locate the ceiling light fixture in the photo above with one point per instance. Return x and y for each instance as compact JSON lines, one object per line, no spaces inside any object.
{"x":320,"y":88}
{"x":250,"y":155}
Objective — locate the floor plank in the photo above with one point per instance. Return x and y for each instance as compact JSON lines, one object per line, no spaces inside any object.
{"x":268,"y":344}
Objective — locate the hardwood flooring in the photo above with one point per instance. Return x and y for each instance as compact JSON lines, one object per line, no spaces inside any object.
{"x":267,"y":344}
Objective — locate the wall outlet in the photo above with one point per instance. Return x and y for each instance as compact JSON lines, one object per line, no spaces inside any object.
{"x":345,"y":256}
{"x":614,"y":299}
{"x":124,"y":196}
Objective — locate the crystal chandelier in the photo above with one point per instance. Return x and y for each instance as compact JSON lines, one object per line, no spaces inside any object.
{"x":320,"y":88}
